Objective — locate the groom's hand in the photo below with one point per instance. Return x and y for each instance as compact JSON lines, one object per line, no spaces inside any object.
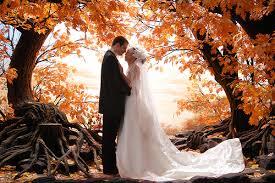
{"x":128,"y":82}
{"x":123,"y":75}
{"x":120,"y":68}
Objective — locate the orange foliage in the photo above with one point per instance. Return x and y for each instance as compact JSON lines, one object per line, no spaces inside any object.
{"x":53,"y":80}
{"x":102,"y":18}
{"x":256,"y":101}
{"x":10,"y":75}
{"x":54,"y":84}
{"x":211,"y":106}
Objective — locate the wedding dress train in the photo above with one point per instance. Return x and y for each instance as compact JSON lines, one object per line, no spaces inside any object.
{"x":144,"y":151}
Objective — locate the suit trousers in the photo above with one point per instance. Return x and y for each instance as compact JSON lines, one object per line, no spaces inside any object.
{"x":111,"y":126}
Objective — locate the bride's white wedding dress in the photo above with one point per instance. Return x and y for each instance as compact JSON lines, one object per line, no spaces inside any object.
{"x":144,"y":151}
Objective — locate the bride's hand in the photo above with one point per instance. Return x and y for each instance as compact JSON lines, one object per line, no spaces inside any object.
{"x":127,"y":80}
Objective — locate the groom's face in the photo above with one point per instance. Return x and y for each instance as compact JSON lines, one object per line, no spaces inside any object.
{"x":122,"y":49}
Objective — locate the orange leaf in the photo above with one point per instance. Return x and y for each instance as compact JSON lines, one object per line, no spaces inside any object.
{"x":11,"y":74}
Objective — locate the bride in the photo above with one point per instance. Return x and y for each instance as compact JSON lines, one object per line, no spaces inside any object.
{"x":144,"y":151}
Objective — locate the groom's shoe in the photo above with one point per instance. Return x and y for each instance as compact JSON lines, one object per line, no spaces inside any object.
{"x":116,"y":175}
{"x":110,"y":172}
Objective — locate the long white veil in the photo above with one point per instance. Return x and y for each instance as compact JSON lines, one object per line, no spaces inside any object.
{"x":138,"y":75}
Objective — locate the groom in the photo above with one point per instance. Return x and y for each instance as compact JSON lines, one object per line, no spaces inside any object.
{"x":113,"y":91}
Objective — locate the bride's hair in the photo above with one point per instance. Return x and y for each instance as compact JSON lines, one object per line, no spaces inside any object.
{"x":139,"y":55}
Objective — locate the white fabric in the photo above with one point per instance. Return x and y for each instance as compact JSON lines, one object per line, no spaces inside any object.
{"x":144,"y":151}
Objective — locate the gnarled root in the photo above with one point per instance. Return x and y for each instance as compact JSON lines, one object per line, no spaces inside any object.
{"x":41,"y":138}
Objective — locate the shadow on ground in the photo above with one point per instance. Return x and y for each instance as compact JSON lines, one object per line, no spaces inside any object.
{"x":228,"y":178}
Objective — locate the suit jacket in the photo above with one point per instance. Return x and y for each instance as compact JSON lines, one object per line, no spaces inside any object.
{"x":113,"y":88}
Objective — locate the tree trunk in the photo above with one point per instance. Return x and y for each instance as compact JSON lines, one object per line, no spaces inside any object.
{"x":239,"y":121}
{"x":252,"y":27}
{"x":23,"y":60}
{"x":272,"y":113}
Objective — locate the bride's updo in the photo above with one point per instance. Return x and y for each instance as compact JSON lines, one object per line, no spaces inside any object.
{"x":138,"y":54}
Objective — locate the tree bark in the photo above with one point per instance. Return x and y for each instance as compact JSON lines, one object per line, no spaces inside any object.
{"x":23,"y":60}
{"x":239,"y":121}
{"x":272,"y":113}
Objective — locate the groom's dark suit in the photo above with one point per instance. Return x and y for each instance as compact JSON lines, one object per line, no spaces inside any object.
{"x":113,"y":92}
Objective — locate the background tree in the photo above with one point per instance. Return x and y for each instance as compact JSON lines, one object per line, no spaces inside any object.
{"x":52,"y":78}
{"x":215,"y":36}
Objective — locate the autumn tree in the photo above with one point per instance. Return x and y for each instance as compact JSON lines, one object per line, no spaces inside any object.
{"x":230,"y":39}
{"x":52,"y":80}
{"x":36,"y":20}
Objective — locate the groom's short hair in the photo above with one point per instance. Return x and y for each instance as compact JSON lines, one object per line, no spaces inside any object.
{"x":121,"y":40}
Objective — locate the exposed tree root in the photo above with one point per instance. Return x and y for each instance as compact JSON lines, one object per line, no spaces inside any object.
{"x":254,"y":141}
{"x":41,"y":138}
